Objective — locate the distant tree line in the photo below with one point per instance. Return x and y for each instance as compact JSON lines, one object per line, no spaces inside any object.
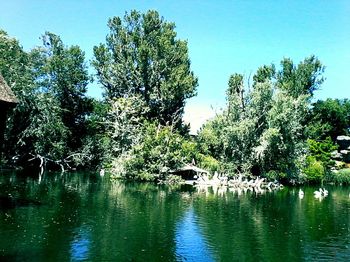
{"x":270,"y":127}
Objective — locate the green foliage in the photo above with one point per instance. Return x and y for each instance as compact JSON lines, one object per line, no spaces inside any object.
{"x":142,"y":57}
{"x":340,"y":177}
{"x":209,"y":137}
{"x":62,"y":72}
{"x":124,"y":122}
{"x":97,"y":144}
{"x":46,"y":134}
{"x":264,"y":73}
{"x":145,"y":72}
{"x":303,"y":79}
{"x":314,"y":170}
{"x":329,"y":118}
{"x":137,"y":129}
{"x":281,"y":143}
{"x":209,"y":163}
{"x":15,"y":67}
{"x":321,"y":151}
{"x":173,"y":180}
{"x":50,"y":84}
{"x":262,"y":128}
{"x":274,"y":175}
{"x":159,"y":150}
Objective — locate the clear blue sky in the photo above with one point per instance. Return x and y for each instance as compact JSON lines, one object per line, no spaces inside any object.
{"x":223,"y":36}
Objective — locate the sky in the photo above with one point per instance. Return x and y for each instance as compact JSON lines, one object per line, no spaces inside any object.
{"x":224,"y":37}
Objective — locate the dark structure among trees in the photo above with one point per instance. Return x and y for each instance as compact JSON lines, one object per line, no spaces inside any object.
{"x":7,"y":100}
{"x":189,"y":172}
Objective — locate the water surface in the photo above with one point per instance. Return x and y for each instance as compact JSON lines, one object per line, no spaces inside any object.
{"x":83,"y":217}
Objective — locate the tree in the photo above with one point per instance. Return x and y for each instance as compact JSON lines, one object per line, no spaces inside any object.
{"x":125,"y":121}
{"x":62,"y":71}
{"x":143,"y":57}
{"x":50,"y":84}
{"x":15,"y":67}
{"x":261,"y":129}
{"x":46,"y":136}
{"x":329,"y":118}
{"x":158,"y":151}
{"x":303,"y":79}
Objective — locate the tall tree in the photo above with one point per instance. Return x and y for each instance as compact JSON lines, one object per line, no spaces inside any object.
{"x":62,"y":71}
{"x":262,"y":128}
{"x":303,"y":79}
{"x":142,"y":56}
{"x":50,"y":83}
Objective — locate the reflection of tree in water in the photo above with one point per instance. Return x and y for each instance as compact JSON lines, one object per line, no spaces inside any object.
{"x":85,"y":215}
{"x":273,"y":227}
{"x":141,"y":220}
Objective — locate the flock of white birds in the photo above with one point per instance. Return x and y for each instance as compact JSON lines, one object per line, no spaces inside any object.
{"x":319,"y":194}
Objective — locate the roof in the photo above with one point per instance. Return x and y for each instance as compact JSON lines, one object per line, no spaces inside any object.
{"x":6,"y":93}
{"x":190,"y":168}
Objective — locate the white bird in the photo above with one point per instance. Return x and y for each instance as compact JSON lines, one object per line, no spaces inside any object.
{"x":325,"y":192}
{"x":301,"y":194}
{"x":102,"y":172}
{"x":318,"y":194}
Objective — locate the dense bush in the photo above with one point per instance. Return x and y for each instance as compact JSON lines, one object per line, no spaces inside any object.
{"x":274,"y":175}
{"x":314,"y":170}
{"x":340,"y":177}
{"x":159,"y":150}
{"x":321,"y":151}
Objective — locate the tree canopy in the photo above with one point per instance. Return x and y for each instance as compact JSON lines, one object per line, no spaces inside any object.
{"x":270,"y":128}
{"x":50,"y":83}
{"x":261,"y":129}
{"x":330,"y":117}
{"x":142,"y":56}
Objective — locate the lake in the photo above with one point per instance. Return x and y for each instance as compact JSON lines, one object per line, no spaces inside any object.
{"x":84,"y":217}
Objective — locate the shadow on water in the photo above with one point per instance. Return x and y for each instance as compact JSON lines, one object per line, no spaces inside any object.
{"x":82,"y":216}
{"x":8,"y":202}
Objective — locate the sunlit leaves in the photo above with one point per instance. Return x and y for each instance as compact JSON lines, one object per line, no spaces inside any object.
{"x":143,"y":57}
{"x":262,"y":128}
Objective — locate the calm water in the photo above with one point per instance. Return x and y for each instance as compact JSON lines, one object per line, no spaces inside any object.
{"x":77,"y":217}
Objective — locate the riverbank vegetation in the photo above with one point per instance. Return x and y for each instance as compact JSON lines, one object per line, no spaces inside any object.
{"x":271,"y":125}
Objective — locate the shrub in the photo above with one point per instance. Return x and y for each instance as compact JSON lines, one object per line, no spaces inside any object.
{"x":321,"y":151}
{"x":274,"y":175}
{"x":340,"y":177}
{"x":159,"y":150}
{"x":208,"y":162}
{"x":314,"y":170}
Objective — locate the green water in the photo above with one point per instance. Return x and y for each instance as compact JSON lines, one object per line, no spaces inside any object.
{"x":83,"y":217}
